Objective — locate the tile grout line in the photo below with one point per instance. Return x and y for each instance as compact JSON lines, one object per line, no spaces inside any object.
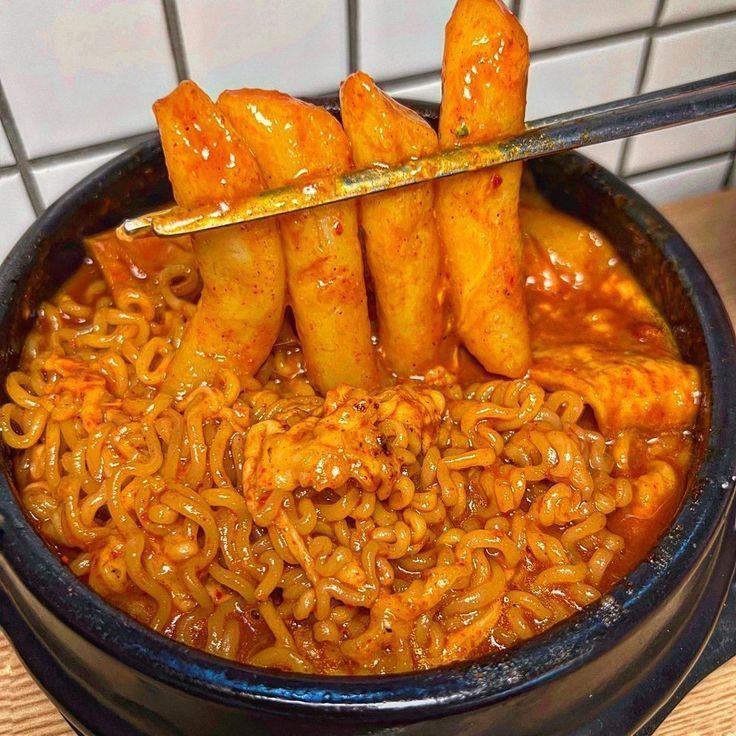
{"x":676,"y":26}
{"x":708,"y":158}
{"x":429,"y":76}
{"x":641,"y":78}
{"x":176,"y":39}
{"x":730,"y":172}
{"x":127,"y":142}
{"x":584,"y":43}
{"x":516,"y":7}
{"x":19,"y":152}
{"x":700,"y":20}
{"x":353,"y":36}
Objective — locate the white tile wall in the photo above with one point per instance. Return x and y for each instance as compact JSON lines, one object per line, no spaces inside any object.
{"x":388,"y":28}
{"x":298,"y":46}
{"x":677,"y":10}
{"x":56,"y":177}
{"x":582,"y":19}
{"x":6,"y":155}
{"x":556,"y":83}
{"x":674,"y":145}
{"x":16,"y":213}
{"x":682,"y":181}
{"x":680,"y":56}
{"x":82,"y":72}
{"x":428,"y":90}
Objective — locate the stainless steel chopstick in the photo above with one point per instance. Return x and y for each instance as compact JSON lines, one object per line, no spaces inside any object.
{"x":619,"y":119}
{"x":659,"y":95}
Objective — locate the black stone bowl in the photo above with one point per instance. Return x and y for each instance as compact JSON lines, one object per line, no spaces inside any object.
{"x":606,"y":670}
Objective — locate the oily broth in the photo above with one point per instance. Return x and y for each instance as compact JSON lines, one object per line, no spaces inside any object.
{"x":284,"y":372}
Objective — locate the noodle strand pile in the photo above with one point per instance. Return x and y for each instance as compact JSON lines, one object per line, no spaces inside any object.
{"x":359,"y":532}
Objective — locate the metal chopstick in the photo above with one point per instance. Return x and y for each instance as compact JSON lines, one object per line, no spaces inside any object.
{"x":619,"y":119}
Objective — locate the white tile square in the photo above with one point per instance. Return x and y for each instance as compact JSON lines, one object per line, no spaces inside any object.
{"x":677,"y":10}
{"x":694,"y":53}
{"x":554,"y":22}
{"x":56,"y":177}
{"x":606,"y":154}
{"x":682,"y":181}
{"x":83,"y":72}
{"x":568,"y":80}
{"x":686,"y":142}
{"x":401,"y":37}
{"x":297,"y":47}
{"x":430,"y":90}
{"x":17,"y":213}
{"x":6,"y":155}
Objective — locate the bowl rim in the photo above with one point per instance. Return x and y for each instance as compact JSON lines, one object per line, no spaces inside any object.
{"x":451,"y":688}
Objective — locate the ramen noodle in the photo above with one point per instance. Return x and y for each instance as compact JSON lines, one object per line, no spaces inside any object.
{"x":293,"y":492}
{"x":359,"y":531}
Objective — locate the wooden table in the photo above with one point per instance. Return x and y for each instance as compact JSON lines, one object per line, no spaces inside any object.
{"x":708,"y":223}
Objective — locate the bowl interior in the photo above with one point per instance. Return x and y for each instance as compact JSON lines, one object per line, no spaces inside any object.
{"x":136,"y":182}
